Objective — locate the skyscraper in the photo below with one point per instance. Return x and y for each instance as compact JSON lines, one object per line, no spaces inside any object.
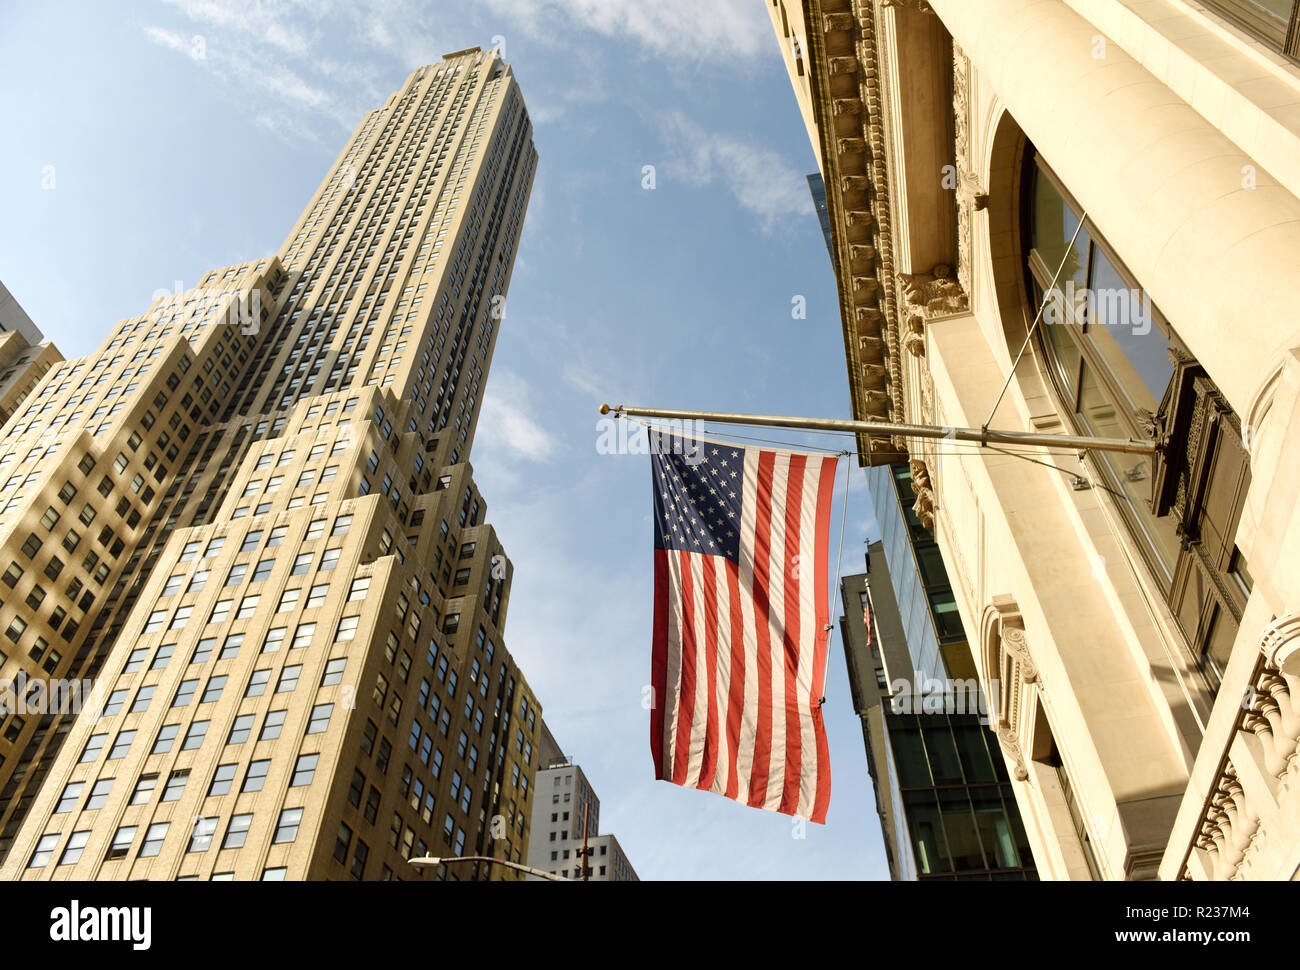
{"x":249,"y":521}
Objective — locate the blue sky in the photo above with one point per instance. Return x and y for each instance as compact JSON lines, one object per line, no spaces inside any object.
{"x":146,"y":144}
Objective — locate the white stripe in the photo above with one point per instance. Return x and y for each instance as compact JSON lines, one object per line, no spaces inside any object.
{"x":808,"y":634}
{"x":699,"y":711}
{"x":749,"y":711}
{"x":778,"y":576}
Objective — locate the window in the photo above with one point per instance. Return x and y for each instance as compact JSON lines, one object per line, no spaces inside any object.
{"x":213,"y":691}
{"x":257,"y":683}
{"x":1276,"y":22}
{"x":342,"y":843}
{"x":272,"y":725}
{"x":347,"y":628}
{"x":194,"y":736}
{"x":304,"y":770}
{"x":302,"y":635}
{"x":247,"y":607}
{"x":68,"y":800}
{"x":302,"y":564}
{"x":320,"y":718}
{"x":317,"y":595}
{"x":334,"y":671}
{"x":287,"y":828}
{"x":237,"y":831}
{"x":76,"y":845}
{"x":185,"y":692}
{"x":121,"y":745}
{"x":288,"y":679}
{"x":360,"y":587}
{"x":255,"y":777}
{"x":121,"y":844}
{"x":288,"y":600}
{"x":262,"y":571}
{"x":166,"y":735}
{"x":222,"y":780}
{"x":98,"y":794}
{"x":142,"y":698}
{"x":1107,"y":346}
{"x":44,"y":851}
{"x":329,"y":559}
{"x":1121,"y":371}
{"x":201,"y":834}
{"x":175,"y":785}
{"x":239,"y":731}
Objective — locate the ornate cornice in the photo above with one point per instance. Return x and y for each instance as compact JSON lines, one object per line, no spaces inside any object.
{"x":847,"y":106}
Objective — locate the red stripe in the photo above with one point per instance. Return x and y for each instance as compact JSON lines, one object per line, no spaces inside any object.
{"x":762,"y":556}
{"x":659,"y":662}
{"x":686,"y":692}
{"x":794,"y":569}
{"x":711,"y":621}
{"x":825,"y":493}
{"x":736,"y":685}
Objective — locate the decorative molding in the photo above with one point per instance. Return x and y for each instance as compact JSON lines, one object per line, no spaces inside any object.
{"x":922,"y":298}
{"x":970,"y":196}
{"x":1011,"y":748}
{"x":1280,"y":644}
{"x":847,"y":103}
{"x":1015,"y":644}
{"x":924,"y":492}
{"x":920,"y":6}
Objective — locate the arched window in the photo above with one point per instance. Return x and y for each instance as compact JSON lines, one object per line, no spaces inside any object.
{"x":1121,"y":371}
{"x":1108,"y":348}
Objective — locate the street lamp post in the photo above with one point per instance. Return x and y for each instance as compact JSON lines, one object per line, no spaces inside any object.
{"x":438,"y":861}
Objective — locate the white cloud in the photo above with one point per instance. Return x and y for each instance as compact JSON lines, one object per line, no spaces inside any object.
{"x":760,"y":179}
{"x":506,"y":421}
{"x":691,"y":30}
{"x":173,"y":40}
{"x":249,"y":17}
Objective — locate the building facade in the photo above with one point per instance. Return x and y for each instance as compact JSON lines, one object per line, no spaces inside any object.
{"x":248,"y":526}
{"x":25,"y":354}
{"x":1083,"y":216}
{"x":566,"y":812}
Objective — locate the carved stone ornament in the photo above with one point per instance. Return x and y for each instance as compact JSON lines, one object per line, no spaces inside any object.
{"x":920,"y":6}
{"x":923,"y":489}
{"x":1014,"y":642}
{"x":922,"y":298}
{"x":1011,"y":747}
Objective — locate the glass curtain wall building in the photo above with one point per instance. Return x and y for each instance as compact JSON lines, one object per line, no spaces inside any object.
{"x":944,"y":799}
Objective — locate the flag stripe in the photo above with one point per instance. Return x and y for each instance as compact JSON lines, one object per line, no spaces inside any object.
{"x":825,"y":494}
{"x":762,"y":712}
{"x":794,"y":576}
{"x":686,"y":690}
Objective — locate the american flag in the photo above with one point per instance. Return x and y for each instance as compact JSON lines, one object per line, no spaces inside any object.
{"x":741,"y":542}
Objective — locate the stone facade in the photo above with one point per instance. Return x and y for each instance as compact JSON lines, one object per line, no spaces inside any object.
{"x":1141,"y":746}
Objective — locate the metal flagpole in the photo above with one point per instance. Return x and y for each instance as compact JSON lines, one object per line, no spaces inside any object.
{"x":985,"y":436}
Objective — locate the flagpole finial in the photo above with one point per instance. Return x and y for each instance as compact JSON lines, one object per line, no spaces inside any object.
{"x":604,"y":409}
